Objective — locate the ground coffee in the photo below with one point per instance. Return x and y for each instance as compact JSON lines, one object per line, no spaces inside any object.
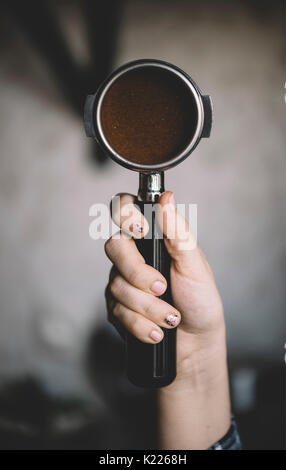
{"x":148,"y":115}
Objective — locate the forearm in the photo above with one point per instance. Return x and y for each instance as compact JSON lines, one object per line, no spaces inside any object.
{"x":194,"y":411}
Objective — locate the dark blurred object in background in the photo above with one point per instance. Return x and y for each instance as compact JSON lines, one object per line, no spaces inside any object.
{"x":31,"y":419}
{"x":40,"y":23}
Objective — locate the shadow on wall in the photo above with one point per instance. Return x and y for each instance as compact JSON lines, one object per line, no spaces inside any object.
{"x":42,"y":23}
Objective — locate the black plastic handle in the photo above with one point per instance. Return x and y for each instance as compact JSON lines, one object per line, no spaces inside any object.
{"x":148,"y":365}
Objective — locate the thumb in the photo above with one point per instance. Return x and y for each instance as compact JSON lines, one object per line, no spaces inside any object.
{"x":178,"y":236}
{"x":180,"y":241}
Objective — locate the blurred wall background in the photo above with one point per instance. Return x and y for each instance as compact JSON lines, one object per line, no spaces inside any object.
{"x":53,"y":275}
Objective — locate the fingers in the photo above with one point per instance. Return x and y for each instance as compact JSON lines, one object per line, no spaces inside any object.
{"x":123,"y":253}
{"x":145,"y":330}
{"x":126,"y":216}
{"x":143,"y":303}
{"x":124,"y":319}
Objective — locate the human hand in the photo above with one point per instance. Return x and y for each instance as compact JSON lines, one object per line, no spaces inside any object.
{"x":134,"y":287}
{"x":199,"y":414}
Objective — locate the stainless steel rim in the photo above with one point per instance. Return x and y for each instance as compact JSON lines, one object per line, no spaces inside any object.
{"x":187,"y":150}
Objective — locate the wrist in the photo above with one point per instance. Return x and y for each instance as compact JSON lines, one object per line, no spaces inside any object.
{"x":197,"y":403}
{"x":201,"y":358}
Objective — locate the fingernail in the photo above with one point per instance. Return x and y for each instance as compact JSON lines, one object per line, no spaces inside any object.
{"x":172,"y":200}
{"x":136,"y":228}
{"x":158,"y":287}
{"x":156,"y":335}
{"x":172,"y":319}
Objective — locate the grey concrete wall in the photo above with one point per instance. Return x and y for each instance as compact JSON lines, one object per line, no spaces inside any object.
{"x":52,"y":275}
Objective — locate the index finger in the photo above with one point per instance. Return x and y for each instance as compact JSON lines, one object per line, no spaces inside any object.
{"x":125,"y":215}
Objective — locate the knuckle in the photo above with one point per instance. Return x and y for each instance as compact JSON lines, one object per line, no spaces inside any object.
{"x":116,"y":309}
{"x":108,"y":292}
{"x":116,"y":285}
{"x":111,"y":247}
{"x":108,"y":246}
{"x":136,"y":276}
{"x":149,"y":308}
{"x":135,"y":327}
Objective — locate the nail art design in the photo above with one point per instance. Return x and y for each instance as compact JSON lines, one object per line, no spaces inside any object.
{"x":136,"y":228}
{"x":172,"y":319}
